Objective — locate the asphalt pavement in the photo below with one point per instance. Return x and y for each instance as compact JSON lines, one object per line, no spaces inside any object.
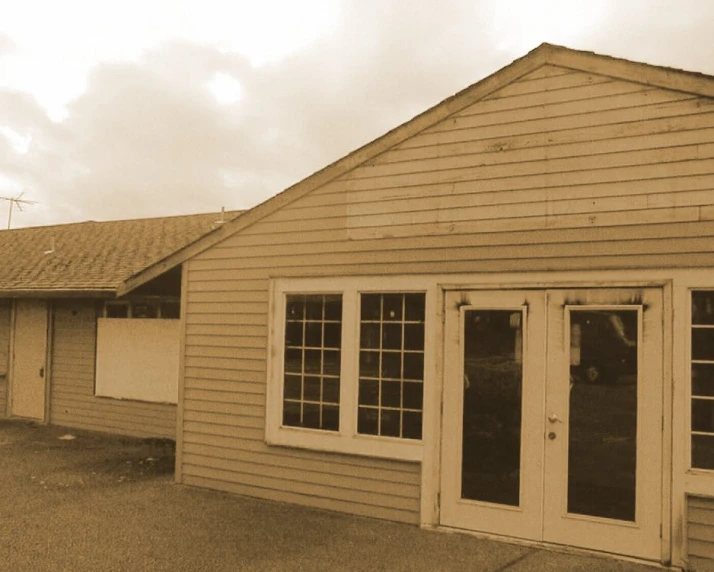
{"x":76,"y":501}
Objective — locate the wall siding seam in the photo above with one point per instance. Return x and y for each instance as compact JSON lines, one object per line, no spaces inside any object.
{"x":332,"y":505}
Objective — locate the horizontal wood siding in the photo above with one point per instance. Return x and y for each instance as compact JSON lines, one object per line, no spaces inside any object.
{"x":72,"y":400}
{"x":700,"y":534}
{"x":224,"y":428}
{"x":560,"y":170}
{"x":4,"y":353}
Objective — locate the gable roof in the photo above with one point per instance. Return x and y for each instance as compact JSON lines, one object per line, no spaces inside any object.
{"x":92,"y":258}
{"x":545,"y":54}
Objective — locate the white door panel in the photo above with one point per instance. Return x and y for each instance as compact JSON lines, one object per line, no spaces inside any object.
{"x":29,"y":359}
{"x":553,"y":412}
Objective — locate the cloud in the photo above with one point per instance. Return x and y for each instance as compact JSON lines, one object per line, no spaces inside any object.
{"x":7,"y":46}
{"x":148,"y":138}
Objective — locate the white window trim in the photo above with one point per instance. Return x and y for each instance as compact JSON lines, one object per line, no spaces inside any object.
{"x":697,"y":471}
{"x":346,"y":440}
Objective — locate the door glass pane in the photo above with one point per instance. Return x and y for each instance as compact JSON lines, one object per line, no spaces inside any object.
{"x":493,"y":358}
{"x":602,"y":451}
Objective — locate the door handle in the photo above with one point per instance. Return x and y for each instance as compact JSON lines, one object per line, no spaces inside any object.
{"x":553,"y":418}
{"x":42,"y":372}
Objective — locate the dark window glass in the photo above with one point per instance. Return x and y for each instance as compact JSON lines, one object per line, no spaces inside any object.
{"x":702,"y":406}
{"x":147,"y":310}
{"x":368,"y":421}
{"x":491,"y":443}
{"x":390,"y":423}
{"x":703,"y":415}
{"x":117,"y":310}
{"x":170,"y":310}
{"x":391,"y":394}
{"x":703,"y":379}
{"x":703,"y":307}
{"x":371,"y":307}
{"x":368,"y":392}
{"x":703,"y":344}
{"x":293,"y":334}
{"x":703,"y":451}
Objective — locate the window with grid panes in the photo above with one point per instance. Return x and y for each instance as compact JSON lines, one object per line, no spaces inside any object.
{"x":391,"y":365}
{"x":702,"y":389}
{"x":311,"y":376}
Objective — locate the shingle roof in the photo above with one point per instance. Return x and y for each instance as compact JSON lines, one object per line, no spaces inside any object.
{"x":92,"y":256}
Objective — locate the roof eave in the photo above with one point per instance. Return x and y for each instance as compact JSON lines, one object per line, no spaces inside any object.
{"x":57,"y":292}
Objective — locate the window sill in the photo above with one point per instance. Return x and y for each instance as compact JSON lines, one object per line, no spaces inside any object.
{"x":362,"y":445}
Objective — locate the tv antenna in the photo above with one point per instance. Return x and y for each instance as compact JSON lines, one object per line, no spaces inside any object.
{"x":17,"y":201}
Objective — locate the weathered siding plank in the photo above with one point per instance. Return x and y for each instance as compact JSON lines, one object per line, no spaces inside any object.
{"x":700,"y":534}
{"x":234,"y":485}
{"x":72,"y":399}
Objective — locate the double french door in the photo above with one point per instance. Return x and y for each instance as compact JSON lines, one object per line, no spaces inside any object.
{"x":552,"y":427}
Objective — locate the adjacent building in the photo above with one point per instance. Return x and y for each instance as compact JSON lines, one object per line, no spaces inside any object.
{"x":82,"y":343}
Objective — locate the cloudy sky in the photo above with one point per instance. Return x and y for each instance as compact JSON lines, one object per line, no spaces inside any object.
{"x":139,"y":108}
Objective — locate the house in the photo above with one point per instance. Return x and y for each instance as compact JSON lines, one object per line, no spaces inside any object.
{"x":496,"y":318}
{"x":84,"y":345}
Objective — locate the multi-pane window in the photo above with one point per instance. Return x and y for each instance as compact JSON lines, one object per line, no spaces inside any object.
{"x":166,"y":308}
{"x":702,"y":406}
{"x":391,"y":365}
{"x":311,"y":376}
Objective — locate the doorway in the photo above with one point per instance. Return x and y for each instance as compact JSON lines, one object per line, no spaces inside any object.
{"x":29,"y":360}
{"x":555,"y":430}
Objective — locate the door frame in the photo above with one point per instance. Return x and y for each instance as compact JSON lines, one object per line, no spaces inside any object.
{"x":559,"y":280}
{"x":47,"y":362}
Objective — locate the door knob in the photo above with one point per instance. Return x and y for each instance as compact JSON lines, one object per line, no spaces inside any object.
{"x":553,"y":418}
{"x":551,"y":435}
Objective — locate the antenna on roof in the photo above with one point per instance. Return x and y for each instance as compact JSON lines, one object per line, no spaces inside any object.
{"x":17,"y":201}
{"x":223,"y":216}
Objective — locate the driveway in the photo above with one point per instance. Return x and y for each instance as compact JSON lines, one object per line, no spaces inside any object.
{"x":75,"y":501}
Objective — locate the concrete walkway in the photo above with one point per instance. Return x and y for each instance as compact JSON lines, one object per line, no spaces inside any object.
{"x":97,"y":503}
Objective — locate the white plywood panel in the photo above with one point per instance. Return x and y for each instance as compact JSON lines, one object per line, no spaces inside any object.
{"x":138,"y":359}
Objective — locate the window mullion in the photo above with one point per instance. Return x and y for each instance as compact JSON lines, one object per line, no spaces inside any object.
{"x":350,"y":364}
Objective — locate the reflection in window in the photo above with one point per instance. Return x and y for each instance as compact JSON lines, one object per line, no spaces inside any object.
{"x":493,"y":358}
{"x":702,"y":364}
{"x":602,"y":436}
{"x":391,"y":365}
{"x":313,"y":341}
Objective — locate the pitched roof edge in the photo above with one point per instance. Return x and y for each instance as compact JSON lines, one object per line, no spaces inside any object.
{"x":57,"y":293}
{"x":628,"y":70}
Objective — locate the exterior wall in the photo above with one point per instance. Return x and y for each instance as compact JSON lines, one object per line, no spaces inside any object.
{"x":72,"y":399}
{"x":561,"y":170}
{"x":4,"y":353}
{"x":700,"y":537}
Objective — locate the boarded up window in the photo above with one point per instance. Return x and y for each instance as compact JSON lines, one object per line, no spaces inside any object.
{"x":138,"y":359}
